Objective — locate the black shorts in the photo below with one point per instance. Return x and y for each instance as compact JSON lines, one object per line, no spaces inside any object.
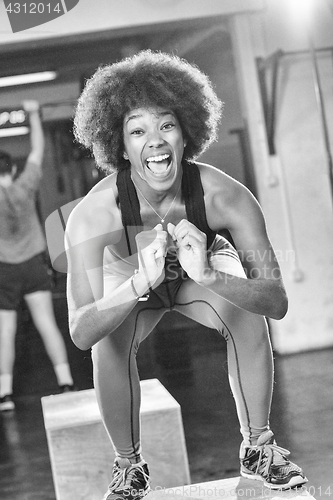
{"x":167,"y":291}
{"x":18,"y":280}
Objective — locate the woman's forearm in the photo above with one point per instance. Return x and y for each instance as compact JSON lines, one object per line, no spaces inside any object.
{"x":92,"y":322}
{"x":266,"y":297}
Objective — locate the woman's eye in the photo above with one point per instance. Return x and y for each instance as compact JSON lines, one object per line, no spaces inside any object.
{"x":136,"y":132}
{"x":168,"y":125}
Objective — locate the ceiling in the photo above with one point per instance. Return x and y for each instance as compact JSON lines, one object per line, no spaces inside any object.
{"x":77,"y":57}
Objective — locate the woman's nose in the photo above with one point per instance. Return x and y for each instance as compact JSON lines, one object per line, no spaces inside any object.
{"x":155,"y":139}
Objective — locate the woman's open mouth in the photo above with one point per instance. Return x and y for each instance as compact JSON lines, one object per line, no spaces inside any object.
{"x":158,"y":165}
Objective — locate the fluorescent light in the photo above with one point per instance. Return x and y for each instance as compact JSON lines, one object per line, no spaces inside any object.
{"x":44,"y":76}
{"x":9,"y":132}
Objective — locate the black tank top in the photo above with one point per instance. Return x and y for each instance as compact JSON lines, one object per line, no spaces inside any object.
{"x":192,"y":192}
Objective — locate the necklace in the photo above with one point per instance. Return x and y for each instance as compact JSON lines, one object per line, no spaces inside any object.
{"x":158,"y":215}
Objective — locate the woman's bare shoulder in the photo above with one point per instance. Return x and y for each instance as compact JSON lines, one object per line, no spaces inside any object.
{"x":224,"y":196}
{"x":97,"y":213}
{"x":216,"y":182}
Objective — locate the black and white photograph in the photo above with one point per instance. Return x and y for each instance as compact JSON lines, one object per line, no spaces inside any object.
{"x":166,"y":249}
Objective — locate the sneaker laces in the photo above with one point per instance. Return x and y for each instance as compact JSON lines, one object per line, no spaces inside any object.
{"x":124,"y":476}
{"x":274,"y":454}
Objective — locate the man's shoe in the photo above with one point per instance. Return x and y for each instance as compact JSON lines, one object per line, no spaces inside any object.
{"x":7,"y":403}
{"x":129,"y":481}
{"x":268,"y":462}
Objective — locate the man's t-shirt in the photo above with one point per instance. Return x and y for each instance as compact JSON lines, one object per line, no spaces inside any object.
{"x":21,"y":235}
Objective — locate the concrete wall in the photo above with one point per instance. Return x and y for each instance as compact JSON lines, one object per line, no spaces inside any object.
{"x":303,"y":164}
{"x":298,"y":203}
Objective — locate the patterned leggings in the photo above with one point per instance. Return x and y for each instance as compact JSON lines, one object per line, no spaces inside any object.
{"x":250,"y":360}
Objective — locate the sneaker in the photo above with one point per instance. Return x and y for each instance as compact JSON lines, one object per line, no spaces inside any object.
{"x":268,"y":462}
{"x":129,"y":481}
{"x":7,"y":403}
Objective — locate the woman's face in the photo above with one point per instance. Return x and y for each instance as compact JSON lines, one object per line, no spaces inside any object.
{"x":154,"y":144}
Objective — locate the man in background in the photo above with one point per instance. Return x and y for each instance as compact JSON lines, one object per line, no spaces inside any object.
{"x":23,"y":264}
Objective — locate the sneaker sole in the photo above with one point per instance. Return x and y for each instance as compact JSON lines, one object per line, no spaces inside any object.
{"x":294,"y":481}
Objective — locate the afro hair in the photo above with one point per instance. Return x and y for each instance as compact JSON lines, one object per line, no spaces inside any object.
{"x":147,"y":79}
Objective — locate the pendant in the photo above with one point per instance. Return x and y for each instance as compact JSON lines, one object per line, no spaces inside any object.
{"x":162,"y":221}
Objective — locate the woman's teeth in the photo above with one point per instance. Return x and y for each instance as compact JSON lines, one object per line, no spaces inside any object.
{"x":158,"y":164}
{"x":158,"y":158}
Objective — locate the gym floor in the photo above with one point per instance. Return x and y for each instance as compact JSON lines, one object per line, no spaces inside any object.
{"x":190,"y":361}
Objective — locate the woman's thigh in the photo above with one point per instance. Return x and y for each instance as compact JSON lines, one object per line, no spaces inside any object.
{"x":204,"y":306}
{"x":125,"y":340}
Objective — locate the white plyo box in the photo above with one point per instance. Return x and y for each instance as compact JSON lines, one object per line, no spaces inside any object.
{"x":81,"y":453}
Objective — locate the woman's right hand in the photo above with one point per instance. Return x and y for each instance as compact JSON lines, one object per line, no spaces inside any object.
{"x":152,"y":247}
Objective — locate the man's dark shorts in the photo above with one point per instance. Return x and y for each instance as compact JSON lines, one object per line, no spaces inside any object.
{"x":18,"y":280}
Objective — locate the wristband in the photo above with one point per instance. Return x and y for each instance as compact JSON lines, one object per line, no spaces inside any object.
{"x":135,"y":293}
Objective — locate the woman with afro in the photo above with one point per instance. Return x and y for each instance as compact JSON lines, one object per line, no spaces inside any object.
{"x":147,"y":240}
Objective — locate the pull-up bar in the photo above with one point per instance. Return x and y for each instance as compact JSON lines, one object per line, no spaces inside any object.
{"x":269,"y":104}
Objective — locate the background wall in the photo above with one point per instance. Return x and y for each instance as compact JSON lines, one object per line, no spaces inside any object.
{"x":299,"y":206}
{"x":225,"y":39}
